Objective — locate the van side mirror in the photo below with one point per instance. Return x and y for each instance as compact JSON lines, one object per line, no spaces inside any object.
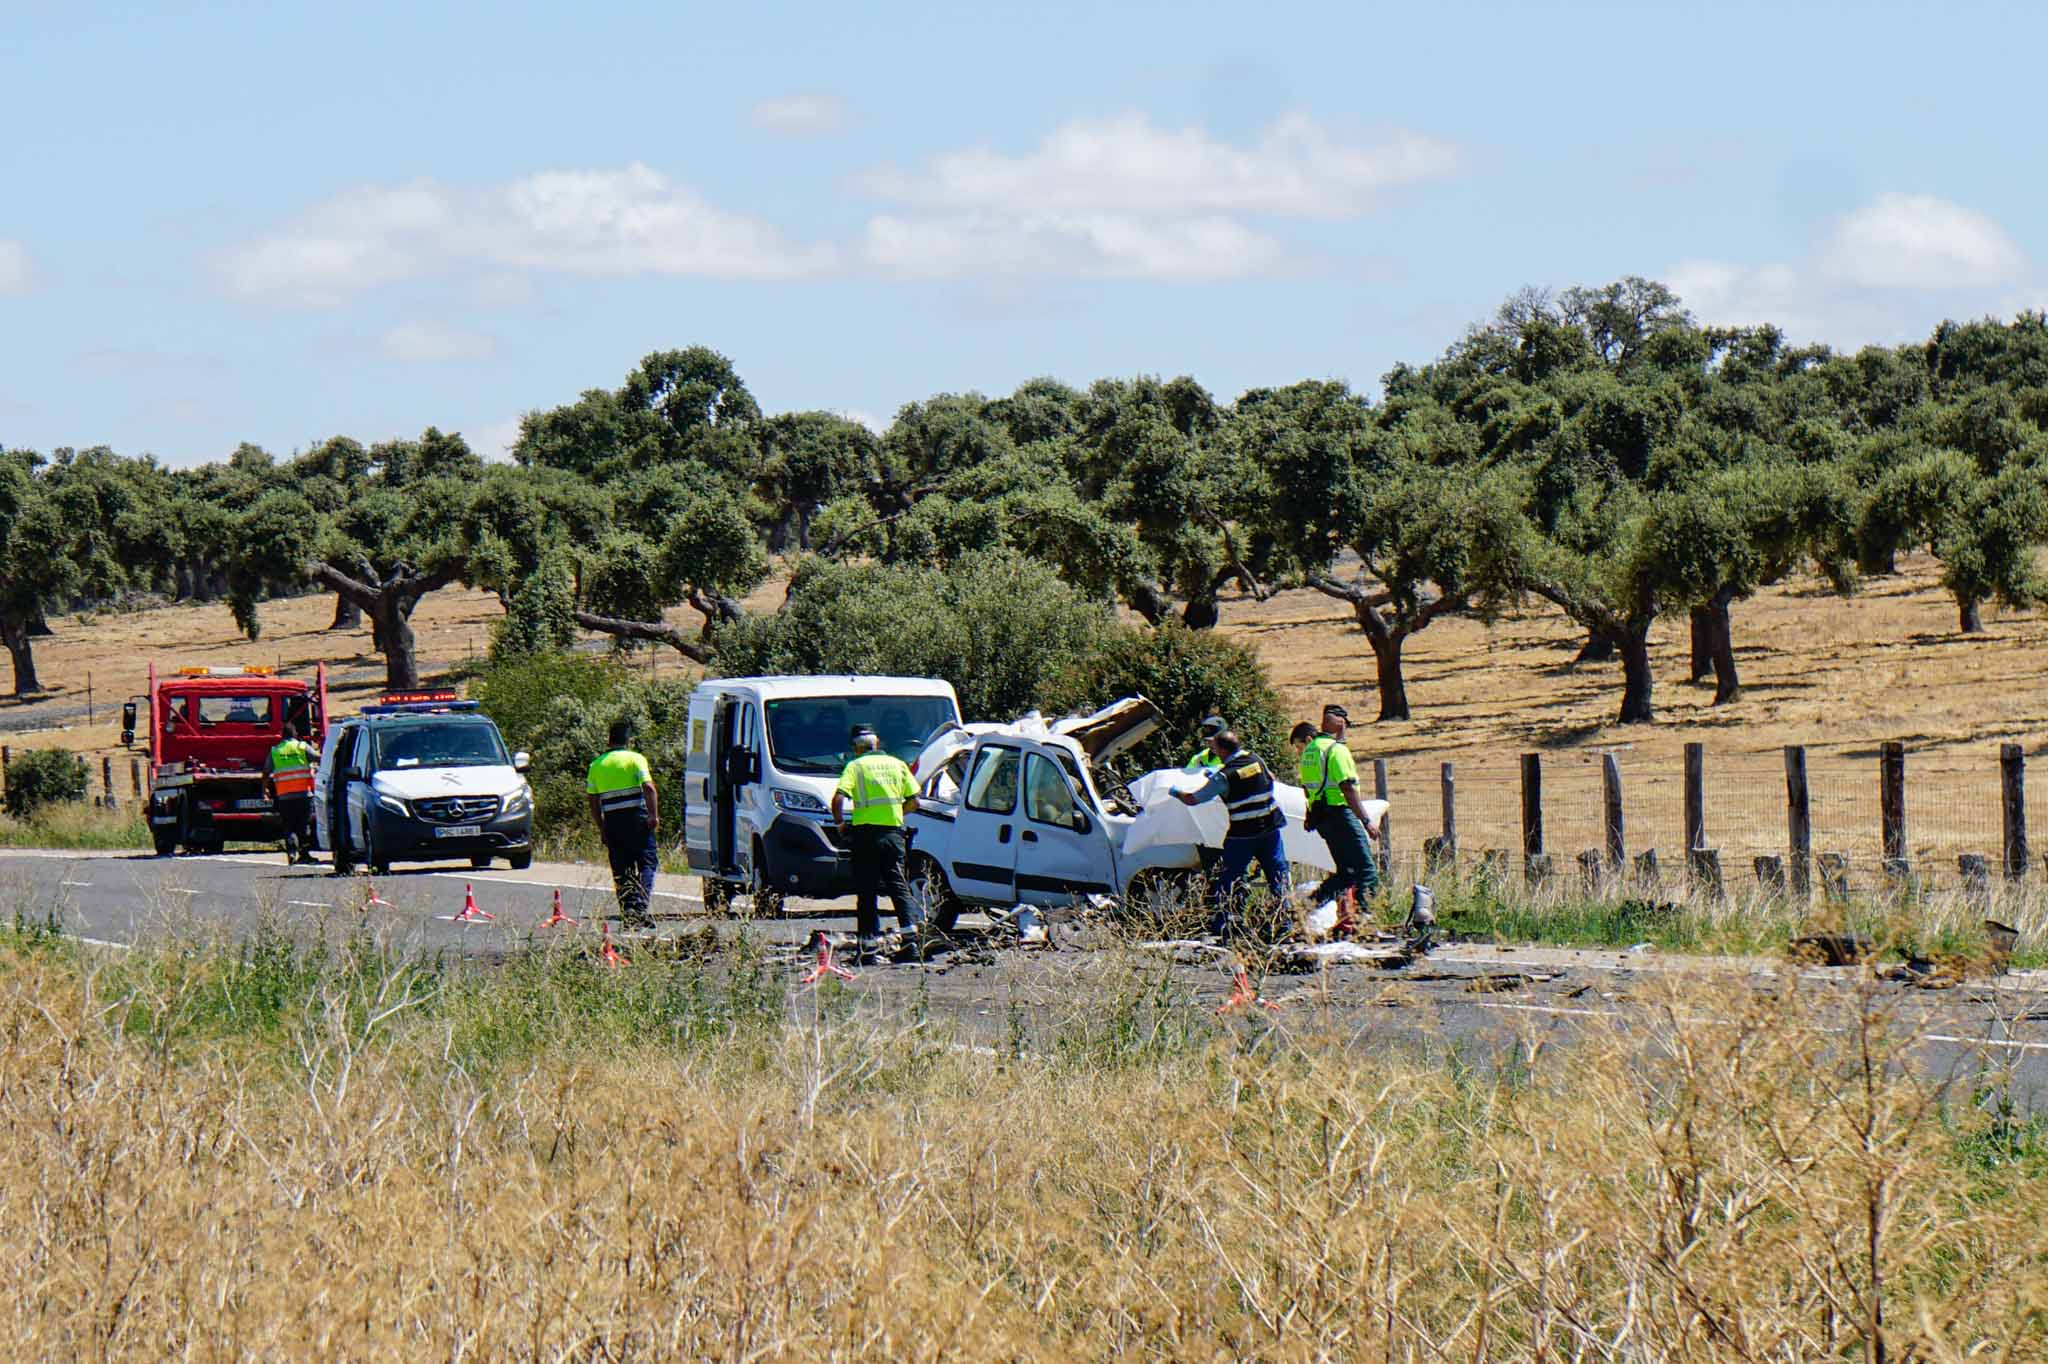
{"x":127,"y":723}
{"x":521,"y":761}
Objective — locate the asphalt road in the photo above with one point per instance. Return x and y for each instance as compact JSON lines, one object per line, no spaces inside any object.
{"x":1484,"y":1003}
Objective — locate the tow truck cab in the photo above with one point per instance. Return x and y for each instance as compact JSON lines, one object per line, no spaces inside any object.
{"x":208,"y":740}
{"x":764,"y":754}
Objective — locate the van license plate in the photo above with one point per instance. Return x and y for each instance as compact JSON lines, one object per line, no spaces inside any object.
{"x":459,"y":831}
{"x":252,"y":804}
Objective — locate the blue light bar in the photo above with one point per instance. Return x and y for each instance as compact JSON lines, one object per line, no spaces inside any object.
{"x":421,"y":708}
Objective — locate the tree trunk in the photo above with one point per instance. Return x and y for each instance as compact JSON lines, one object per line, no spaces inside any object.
{"x":1635,"y":677}
{"x":650,"y":631}
{"x":1721,"y":650}
{"x":347,"y":615}
{"x":1598,"y":648}
{"x":1148,"y":601}
{"x":1702,"y":655}
{"x":39,"y":626}
{"x":394,"y":632}
{"x":1970,"y":615}
{"x":1386,"y":654}
{"x":1201,"y":613}
{"x":21,"y":645}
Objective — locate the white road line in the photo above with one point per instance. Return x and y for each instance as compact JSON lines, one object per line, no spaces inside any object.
{"x":102,"y":942}
{"x":1543,"y":1009}
{"x":1983,"y":1042}
{"x":178,"y":890}
{"x":74,"y":883}
{"x":311,"y":904}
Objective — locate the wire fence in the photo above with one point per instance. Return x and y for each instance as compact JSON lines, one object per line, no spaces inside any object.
{"x":1952,"y":811}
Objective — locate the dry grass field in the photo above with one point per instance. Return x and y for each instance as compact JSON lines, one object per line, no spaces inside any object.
{"x":1840,"y":676}
{"x":261,"y":1153}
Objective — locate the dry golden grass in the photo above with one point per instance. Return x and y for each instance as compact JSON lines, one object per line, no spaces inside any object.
{"x":1730,"y":1178}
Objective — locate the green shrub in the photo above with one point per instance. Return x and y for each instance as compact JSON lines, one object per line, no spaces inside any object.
{"x":42,"y":777}
{"x":1189,"y":675}
{"x":1001,"y":628}
{"x":542,"y":617}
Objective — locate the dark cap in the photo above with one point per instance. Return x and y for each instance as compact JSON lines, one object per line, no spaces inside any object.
{"x":1212,"y":727}
{"x":1334,"y":709}
{"x":860,"y":732}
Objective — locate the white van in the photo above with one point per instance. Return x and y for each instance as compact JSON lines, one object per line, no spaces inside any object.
{"x":764,"y":756}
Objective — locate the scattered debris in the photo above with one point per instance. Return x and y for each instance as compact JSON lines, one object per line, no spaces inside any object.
{"x":1832,"y":949}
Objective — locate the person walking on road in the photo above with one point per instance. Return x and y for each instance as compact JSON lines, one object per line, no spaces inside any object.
{"x":627,"y":810}
{"x":1329,"y":779}
{"x":1246,"y":787}
{"x":878,"y":788}
{"x":291,"y":786}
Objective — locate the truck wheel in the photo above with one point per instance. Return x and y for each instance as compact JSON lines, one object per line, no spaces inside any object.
{"x":165,"y":841}
{"x":928,"y":887}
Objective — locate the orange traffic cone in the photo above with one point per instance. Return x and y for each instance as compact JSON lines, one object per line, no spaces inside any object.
{"x":1242,"y":995}
{"x":470,"y":913}
{"x":557,"y":918}
{"x":609,"y":954}
{"x":373,"y":898}
{"x":825,"y":965}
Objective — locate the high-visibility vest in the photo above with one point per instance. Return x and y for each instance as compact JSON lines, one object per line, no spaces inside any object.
{"x":291,"y":769}
{"x":1248,"y":796}
{"x":1319,"y":782}
{"x":878,"y":785}
{"x":618,"y":779}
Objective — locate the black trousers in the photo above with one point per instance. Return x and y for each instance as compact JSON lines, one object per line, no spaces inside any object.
{"x":629,"y":844}
{"x":878,"y":851}
{"x":296,"y":813}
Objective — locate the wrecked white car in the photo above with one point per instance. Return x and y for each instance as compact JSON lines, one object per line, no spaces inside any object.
{"x":1019,"y":814}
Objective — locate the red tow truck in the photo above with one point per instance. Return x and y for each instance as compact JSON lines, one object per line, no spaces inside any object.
{"x":210,"y":732}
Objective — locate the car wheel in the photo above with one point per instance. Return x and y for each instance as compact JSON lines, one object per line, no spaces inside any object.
{"x":520,"y":861}
{"x":480,"y":862}
{"x":928,"y":886}
{"x":379,"y":866}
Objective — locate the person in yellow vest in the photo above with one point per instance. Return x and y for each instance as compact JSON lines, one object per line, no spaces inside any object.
{"x":1329,"y":778}
{"x":290,"y":779}
{"x":627,"y":810}
{"x":873,"y":792}
{"x":1205,"y":757}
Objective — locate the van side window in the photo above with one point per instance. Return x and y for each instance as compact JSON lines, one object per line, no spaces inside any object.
{"x":1046,"y":797}
{"x":993,"y":787}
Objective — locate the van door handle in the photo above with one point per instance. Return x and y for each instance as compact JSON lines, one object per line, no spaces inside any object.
{"x":1030,"y":836}
{"x":1003,"y":834}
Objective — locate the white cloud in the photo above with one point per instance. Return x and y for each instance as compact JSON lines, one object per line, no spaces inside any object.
{"x":811,"y":114}
{"x":435,"y":342}
{"x":1916,"y":241}
{"x":15,"y":270}
{"x":1885,"y":272}
{"x":592,"y":222}
{"x":494,"y":440}
{"x":1295,"y":168}
{"x":863,"y":418}
{"x":1085,"y":244}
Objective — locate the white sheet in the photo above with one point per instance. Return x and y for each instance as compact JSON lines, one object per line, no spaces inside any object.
{"x":1164,"y":822}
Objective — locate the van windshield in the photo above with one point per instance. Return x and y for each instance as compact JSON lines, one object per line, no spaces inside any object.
{"x":813,"y":735}
{"x":440,"y":743}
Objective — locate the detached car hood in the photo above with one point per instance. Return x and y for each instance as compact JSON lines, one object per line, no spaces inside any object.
{"x":424,"y":783}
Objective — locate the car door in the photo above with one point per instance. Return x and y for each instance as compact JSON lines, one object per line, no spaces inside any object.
{"x":984,"y":842}
{"x":1062,"y":851}
{"x":323,"y":787}
{"x":355,"y":778}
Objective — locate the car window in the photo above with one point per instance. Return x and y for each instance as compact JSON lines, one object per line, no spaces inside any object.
{"x":944,"y":784}
{"x":993,"y":787}
{"x":1047,"y":798}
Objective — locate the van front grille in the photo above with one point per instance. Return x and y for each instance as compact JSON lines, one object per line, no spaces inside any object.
{"x":457,"y":809}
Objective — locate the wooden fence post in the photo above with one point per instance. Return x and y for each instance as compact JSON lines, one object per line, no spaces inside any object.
{"x":1799,"y":821}
{"x":1695,"y":796}
{"x":1610,"y":789}
{"x":135,"y":777}
{"x":107,"y":778}
{"x":1379,"y":791}
{"x":1532,"y":812}
{"x":1891,"y":792}
{"x":2012,"y":781}
{"x":1449,"y":835}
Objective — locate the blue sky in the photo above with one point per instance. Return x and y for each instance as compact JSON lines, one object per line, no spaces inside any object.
{"x":277,"y":222}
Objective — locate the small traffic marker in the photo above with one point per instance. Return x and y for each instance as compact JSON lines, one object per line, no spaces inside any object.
{"x":557,"y":918}
{"x":609,"y":954}
{"x":373,"y":898}
{"x":470,"y":913}
{"x":1242,"y":995}
{"x":825,"y":965}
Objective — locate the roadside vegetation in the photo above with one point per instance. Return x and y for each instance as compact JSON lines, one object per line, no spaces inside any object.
{"x":287,"y":1148}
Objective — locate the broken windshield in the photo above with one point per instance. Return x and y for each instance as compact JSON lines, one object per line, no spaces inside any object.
{"x":812,"y":735}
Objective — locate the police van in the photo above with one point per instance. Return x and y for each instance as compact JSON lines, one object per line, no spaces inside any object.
{"x":421,"y":777}
{"x":764,"y":754}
